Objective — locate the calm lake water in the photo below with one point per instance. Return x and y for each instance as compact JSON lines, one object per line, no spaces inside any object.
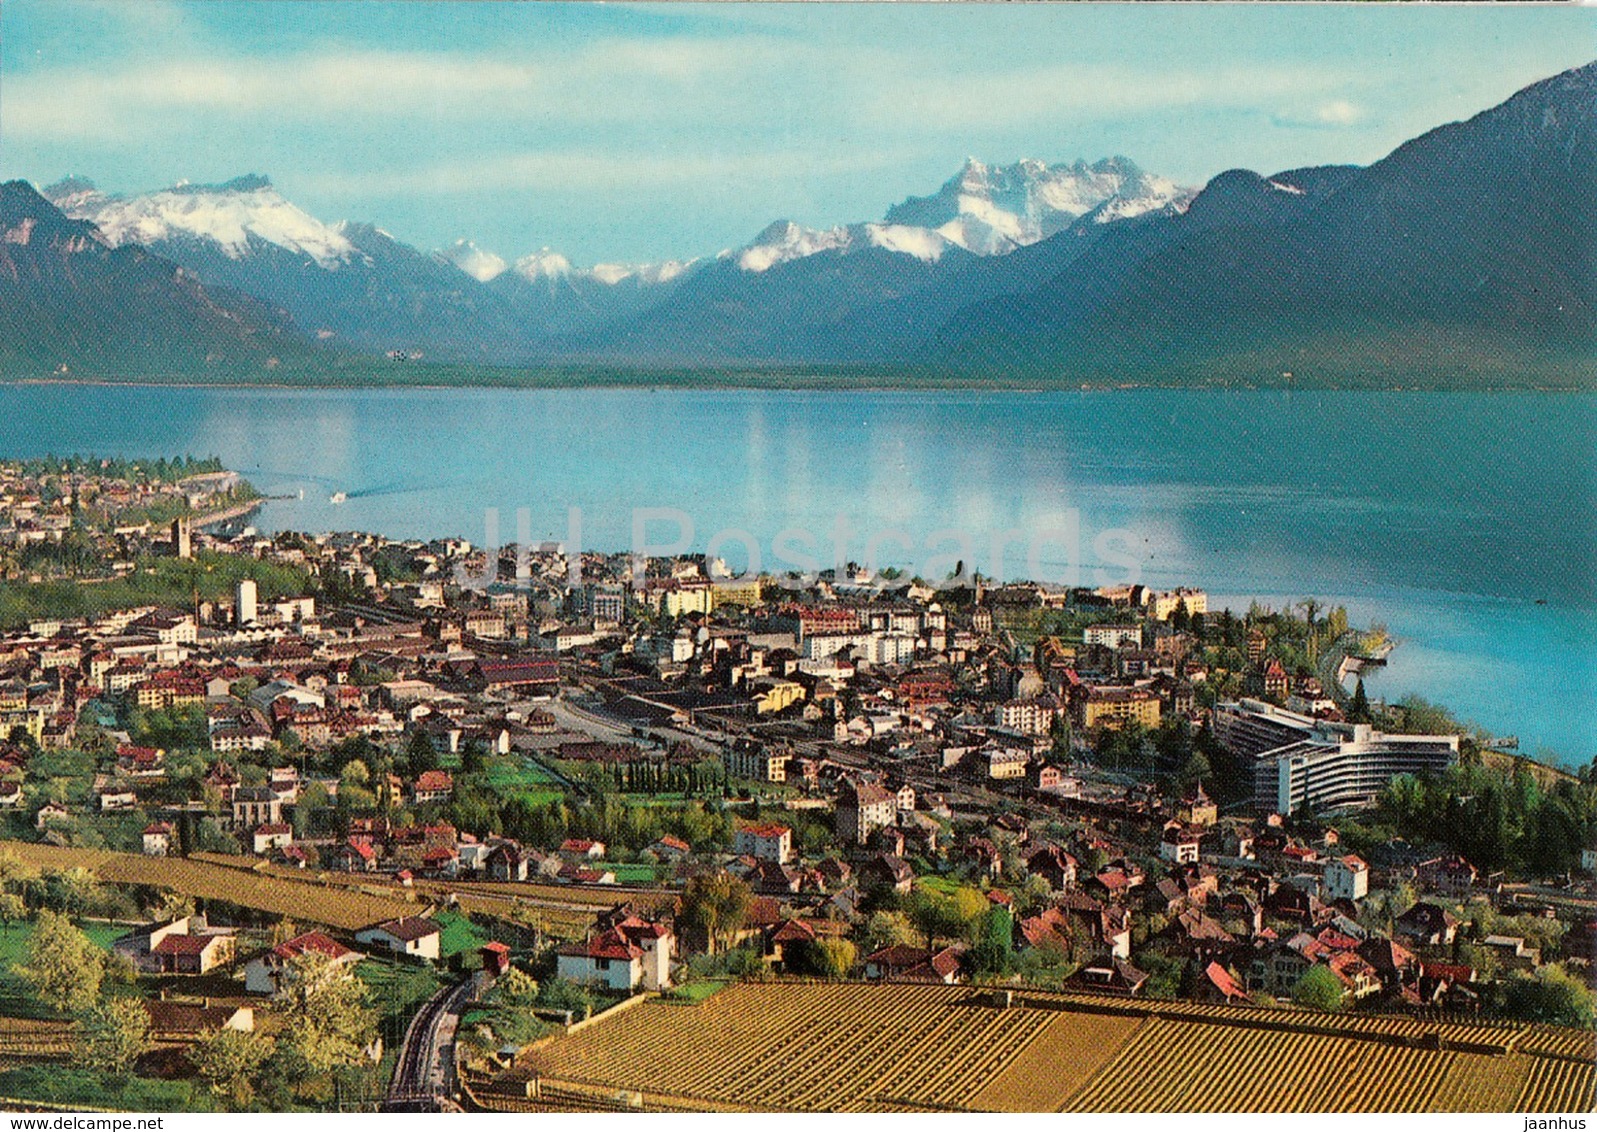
{"x":1450,"y":517}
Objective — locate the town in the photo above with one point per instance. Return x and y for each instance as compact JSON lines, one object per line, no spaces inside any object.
{"x":299,"y":821}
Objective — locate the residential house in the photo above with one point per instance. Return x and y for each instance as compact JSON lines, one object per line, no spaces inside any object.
{"x":195,"y":953}
{"x":888,"y":870}
{"x":583,"y":848}
{"x":264,"y":973}
{"x":256,"y":805}
{"x":766,"y":841}
{"x":188,"y":1022}
{"x":1345,"y":878}
{"x":1217,"y":984}
{"x":902,"y":963}
{"x":1179,"y":844}
{"x":272,"y":835}
{"x":1427,"y":925}
{"x":157,"y":839}
{"x":862,"y":808}
{"x":433,"y":786}
{"x":410,"y":935}
{"x":632,"y":952}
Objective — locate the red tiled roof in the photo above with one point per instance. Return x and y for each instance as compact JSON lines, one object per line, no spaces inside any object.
{"x":308,"y":942}
{"x":1222,"y":980}
{"x":432,"y":780}
{"x":185,"y":944}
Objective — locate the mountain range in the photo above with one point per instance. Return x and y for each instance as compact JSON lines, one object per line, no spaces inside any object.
{"x":1463,"y":257}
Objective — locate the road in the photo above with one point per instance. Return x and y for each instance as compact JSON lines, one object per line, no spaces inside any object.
{"x":425,"y":1069}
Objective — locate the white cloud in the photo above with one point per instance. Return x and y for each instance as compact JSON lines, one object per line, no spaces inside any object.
{"x":1335,"y":114}
{"x":575,"y":170}
{"x":1077,"y":91}
{"x":609,"y":81}
{"x":1339,"y":113}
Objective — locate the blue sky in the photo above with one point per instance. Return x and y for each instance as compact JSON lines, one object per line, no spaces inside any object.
{"x":654,"y":131}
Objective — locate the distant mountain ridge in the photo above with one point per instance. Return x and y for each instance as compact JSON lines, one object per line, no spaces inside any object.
{"x":72,"y":305}
{"x":1465,"y":253}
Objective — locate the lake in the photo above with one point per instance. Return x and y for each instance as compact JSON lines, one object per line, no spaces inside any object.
{"x":1466,"y":522}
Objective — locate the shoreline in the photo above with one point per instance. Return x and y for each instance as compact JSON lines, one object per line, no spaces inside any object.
{"x":816,"y":384}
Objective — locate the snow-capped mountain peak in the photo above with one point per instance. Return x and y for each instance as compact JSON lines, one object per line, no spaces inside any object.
{"x":994,"y":209}
{"x":546,"y":265}
{"x":645,"y":274}
{"x":543,"y":264}
{"x":785,"y":241}
{"x":481,"y":265}
{"x":230,"y":215}
{"x":985,"y":209}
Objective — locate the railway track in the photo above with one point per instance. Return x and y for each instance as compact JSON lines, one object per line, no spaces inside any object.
{"x":421,"y":1074}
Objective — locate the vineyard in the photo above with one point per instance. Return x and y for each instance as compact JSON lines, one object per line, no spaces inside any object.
{"x":908,"y":1048}
{"x":300,"y":899}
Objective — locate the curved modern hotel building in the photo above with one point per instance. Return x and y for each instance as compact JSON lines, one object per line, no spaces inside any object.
{"x":1299,"y":760}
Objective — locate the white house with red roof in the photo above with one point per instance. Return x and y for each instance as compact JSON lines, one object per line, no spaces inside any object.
{"x":433,"y":786}
{"x":582,"y":847}
{"x":157,"y":839}
{"x":272,"y":835}
{"x":1346,"y":878}
{"x":631,"y":953}
{"x":764,"y":841}
{"x":263,"y":974}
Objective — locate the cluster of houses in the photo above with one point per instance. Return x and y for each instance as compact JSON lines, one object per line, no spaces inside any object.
{"x":905,"y":720}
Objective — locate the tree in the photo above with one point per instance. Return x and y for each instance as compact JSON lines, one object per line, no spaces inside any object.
{"x":326,"y":1020}
{"x":113,"y":1033}
{"x":14,"y":871}
{"x":563,"y":994}
{"x":63,"y":968}
{"x":716,"y":903}
{"x":1318,"y":988}
{"x":1552,"y":996}
{"x":887,"y":929}
{"x":12,"y":910}
{"x":993,"y":952}
{"x":516,"y":989}
{"x":230,"y":1061}
{"x":945,"y":917}
{"x":1359,"y":710}
{"x":420,"y":753}
{"x":174,"y":906}
{"x":825,"y":958}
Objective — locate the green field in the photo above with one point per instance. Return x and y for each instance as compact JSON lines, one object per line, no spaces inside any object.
{"x":67,"y":1086}
{"x":510,"y":776}
{"x":15,"y":999}
{"x":459,"y":934}
{"x":694,"y":993}
{"x":637,"y":873}
{"x":14,"y":939}
{"x":397,"y":991}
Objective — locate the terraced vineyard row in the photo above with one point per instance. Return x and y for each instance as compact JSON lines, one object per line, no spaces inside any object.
{"x":35,"y":1037}
{"x":834,"y":1047}
{"x":805,"y":1047}
{"x":1482,"y":1084}
{"x":1058,"y":1063}
{"x":277,"y":895}
{"x":1556,"y":1085}
{"x":1581,"y":1046}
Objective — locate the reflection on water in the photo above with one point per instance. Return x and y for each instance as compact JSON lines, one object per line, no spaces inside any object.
{"x":1446,"y":515}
